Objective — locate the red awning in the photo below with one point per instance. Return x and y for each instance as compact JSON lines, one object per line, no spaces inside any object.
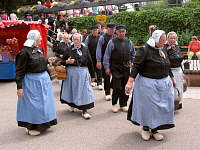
{"x":12,"y":23}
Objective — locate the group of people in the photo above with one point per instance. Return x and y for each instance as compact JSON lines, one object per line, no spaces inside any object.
{"x":5,"y":17}
{"x":150,"y":76}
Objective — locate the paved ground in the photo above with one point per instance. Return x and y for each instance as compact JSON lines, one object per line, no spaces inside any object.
{"x":104,"y":131}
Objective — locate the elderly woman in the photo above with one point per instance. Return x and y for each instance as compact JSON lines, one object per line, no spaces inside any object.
{"x":176,"y":58}
{"x":76,"y":90}
{"x":194,"y":48}
{"x":35,"y":108}
{"x":63,"y":45}
{"x":152,"y":104}
{"x":57,"y":42}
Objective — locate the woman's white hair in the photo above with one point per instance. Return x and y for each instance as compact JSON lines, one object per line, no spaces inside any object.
{"x":59,"y":34}
{"x":170,"y":33}
{"x":32,"y":37}
{"x":77,"y":34}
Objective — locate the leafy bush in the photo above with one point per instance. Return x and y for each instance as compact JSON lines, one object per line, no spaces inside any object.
{"x":192,"y":4}
{"x":184,"y":21}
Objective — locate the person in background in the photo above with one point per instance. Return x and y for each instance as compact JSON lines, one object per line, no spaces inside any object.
{"x":91,"y":44}
{"x":176,"y":58}
{"x":95,"y":11}
{"x":84,"y":34}
{"x":27,"y":17}
{"x":4,"y":16}
{"x":13,"y":16}
{"x":152,"y":103}
{"x":60,"y":24}
{"x":73,"y":31}
{"x":99,"y":25}
{"x":50,"y":20}
{"x":63,"y":45}
{"x":59,"y":38}
{"x":152,"y":28}
{"x":118,"y":60}
{"x":104,"y":30}
{"x":101,"y":48}
{"x":76,"y":90}
{"x":35,"y":106}
{"x":40,"y":17}
{"x":194,"y":48}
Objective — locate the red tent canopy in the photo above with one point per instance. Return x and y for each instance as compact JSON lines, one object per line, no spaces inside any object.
{"x":19,"y":29}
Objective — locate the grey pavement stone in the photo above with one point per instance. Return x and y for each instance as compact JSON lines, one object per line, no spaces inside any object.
{"x":104,"y":131}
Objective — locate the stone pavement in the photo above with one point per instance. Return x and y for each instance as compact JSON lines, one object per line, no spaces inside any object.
{"x":192,"y":93}
{"x":104,"y":131}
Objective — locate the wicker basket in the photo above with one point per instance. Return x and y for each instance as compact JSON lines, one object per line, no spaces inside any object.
{"x":177,"y":100}
{"x":51,"y":71}
{"x":61,"y":72}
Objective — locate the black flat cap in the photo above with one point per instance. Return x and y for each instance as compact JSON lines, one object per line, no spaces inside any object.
{"x":110,"y":25}
{"x":97,"y":23}
{"x":94,"y":27}
{"x":121,"y":27}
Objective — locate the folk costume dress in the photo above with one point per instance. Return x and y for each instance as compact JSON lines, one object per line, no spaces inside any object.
{"x":76,"y":90}
{"x":36,"y":109}
{"x":176,"y":58}
{"x":118,"y":56}
{"x":91,"y":43}
{"x":152,"y":103}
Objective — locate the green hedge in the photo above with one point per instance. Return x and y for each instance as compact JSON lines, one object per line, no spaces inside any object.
{"x":184,"y":21}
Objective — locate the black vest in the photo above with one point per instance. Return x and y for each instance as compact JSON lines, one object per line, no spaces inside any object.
{"x":107,"y":38}
{"x":121,"y":53}
{"x":92,"y":45}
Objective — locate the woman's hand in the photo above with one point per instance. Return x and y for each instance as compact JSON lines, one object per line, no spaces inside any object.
{"x":174,"y":82}
{"x":129,"y":85}
{"x":70,"y":60}
{"x":20,"y":93}
{"x":51,"y":59}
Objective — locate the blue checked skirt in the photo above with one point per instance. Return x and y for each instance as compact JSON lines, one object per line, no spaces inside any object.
{"x":76,"y":90}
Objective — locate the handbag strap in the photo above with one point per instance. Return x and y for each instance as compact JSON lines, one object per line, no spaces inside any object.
{"x":178,"y":91}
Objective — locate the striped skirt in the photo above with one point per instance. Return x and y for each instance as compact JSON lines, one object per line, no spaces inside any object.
{"x":178,"y":75}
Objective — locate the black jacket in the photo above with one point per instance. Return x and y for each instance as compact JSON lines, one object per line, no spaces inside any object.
{"x":29,"y":60}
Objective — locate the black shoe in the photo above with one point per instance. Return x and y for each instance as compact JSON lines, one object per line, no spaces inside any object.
{"x":180,"y":106}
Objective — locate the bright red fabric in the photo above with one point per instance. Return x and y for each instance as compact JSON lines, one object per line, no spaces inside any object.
{"x":19,"y":29}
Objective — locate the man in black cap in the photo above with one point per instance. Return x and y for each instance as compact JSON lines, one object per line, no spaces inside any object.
{"x":101,"y":48}
{"x":91,"y":44}
{"x":117,"y":61}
